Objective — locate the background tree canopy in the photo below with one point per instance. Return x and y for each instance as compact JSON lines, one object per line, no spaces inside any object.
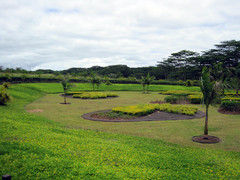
{"x":182,"y":65}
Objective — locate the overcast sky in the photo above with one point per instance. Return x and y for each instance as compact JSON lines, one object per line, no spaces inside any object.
{"x":60,"y":34}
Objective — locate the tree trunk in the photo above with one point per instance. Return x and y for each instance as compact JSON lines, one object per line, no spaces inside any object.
{"x":93,"y":87}
{"x":147,"y":88}
{"x":206,"y":123}
{"x":143,"y":89}
{"x":65,"y":99}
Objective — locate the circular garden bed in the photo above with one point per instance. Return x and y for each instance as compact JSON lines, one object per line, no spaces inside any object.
{"x":155,"y":116}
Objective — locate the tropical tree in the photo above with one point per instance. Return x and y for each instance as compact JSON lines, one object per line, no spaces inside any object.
{"x":93,"y":80}
{"x":66,"y":87}
{"x":146,"y":81}
{"x":142,"y":81}
{"x":209,"y":91}
{"x":98,"y":82}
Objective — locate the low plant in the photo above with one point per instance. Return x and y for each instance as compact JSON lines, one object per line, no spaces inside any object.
{"x":4,"y":96}
{"x":195,"y":99}
{"x":189,"y":83}
{"x":171,"y":99}
{"x":146,"y":109}
{"x":114,"y":115}
{"x":179,"y":92}
{"x":230,"y":99}
{"x":93,"y":95}
{"x":233,"y":106}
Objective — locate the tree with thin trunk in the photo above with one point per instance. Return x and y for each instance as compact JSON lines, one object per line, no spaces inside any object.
{"x":148,"y":80}
{"x":142,"y":81}
{"x":93,"y":80}
{"x":209,"y":91}
{"x":66,"y":87}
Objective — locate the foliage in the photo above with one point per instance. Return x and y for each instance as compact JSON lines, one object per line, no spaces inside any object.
{"x":114,"y":115}
{"x":146,"y":109}
{"x":6,"y":85}
{"x":4,"y":96}
{"x":180,"y":92}
{"x":93,"y":95}
{"x":195,"y":99}
{"x":171,"y":99}
{"x":66,"y":87}
{"x":233,"y":105}
{"x":209,"y":92}
{"x":146,"y":81}
{"x":189,"y":83}
{"x":230,"y":99}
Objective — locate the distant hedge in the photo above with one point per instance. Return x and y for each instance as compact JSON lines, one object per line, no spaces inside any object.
{"x":19,"y":79}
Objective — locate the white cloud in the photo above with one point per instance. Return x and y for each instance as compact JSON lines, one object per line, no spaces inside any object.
{"x":60,"y":34}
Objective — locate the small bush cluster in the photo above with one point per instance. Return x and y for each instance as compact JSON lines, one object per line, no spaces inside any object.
{"x":233,"y":106}
{"x":146,"y":109}
{"x":171,"y":99}
{"x":195,"y":99}
{"x":179,"y":92}
{"x":93,"y":95}
{"x":230,"y":99}
{"x":4,"y":96}
{"x":189,"y":83}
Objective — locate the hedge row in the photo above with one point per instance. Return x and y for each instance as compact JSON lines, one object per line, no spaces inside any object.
{"x":146,"y":109}
{"x":93,"y":95}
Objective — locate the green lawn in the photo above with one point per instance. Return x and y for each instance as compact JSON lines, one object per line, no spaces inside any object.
{"x":37,"y":147}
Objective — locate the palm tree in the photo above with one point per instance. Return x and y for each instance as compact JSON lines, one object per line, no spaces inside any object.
{"x":142,"y":81}
{"x":66,"y":86}
{"x":148,"y":80}
{"x":93,"y":80}
{"x":209,"y":91}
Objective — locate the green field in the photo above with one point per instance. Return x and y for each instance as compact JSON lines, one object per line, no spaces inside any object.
{"x":58,"y":144}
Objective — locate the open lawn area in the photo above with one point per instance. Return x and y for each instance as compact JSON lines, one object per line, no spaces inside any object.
{"x":54,"y":142}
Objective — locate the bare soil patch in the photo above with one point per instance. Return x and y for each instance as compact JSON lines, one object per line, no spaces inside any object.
{"x":206,"y":139}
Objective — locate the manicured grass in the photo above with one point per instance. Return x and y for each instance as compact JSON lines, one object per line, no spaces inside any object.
{"x":34,"y":147}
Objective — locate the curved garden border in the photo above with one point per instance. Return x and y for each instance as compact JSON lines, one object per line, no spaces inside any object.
{"x":156,"y":116}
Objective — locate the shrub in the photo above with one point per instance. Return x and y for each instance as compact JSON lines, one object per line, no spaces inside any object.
{"x":230,"y":99}
{"x":4,"y":96}
{"x":171,"y":99}
{"x":93,"y":95}
{"x":180,"y":92}
{"x":150,"y":108}
{"x":195,"y":99}
{"x":189,"y":83}
{"x":230,"y":106}
{"x":6,"y":85}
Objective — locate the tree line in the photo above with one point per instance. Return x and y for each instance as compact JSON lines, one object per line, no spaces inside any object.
{"x":182,"y":65}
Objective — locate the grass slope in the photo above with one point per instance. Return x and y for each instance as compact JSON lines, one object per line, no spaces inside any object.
{"x":33,"y":147}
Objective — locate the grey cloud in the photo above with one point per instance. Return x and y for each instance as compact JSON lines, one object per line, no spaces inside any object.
{"x":60,"y":34}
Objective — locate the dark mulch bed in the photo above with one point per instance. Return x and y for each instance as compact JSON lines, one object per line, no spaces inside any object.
{"x":206,"y":139}
{"x":228,"y":112}
{"x":156,"y":116}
